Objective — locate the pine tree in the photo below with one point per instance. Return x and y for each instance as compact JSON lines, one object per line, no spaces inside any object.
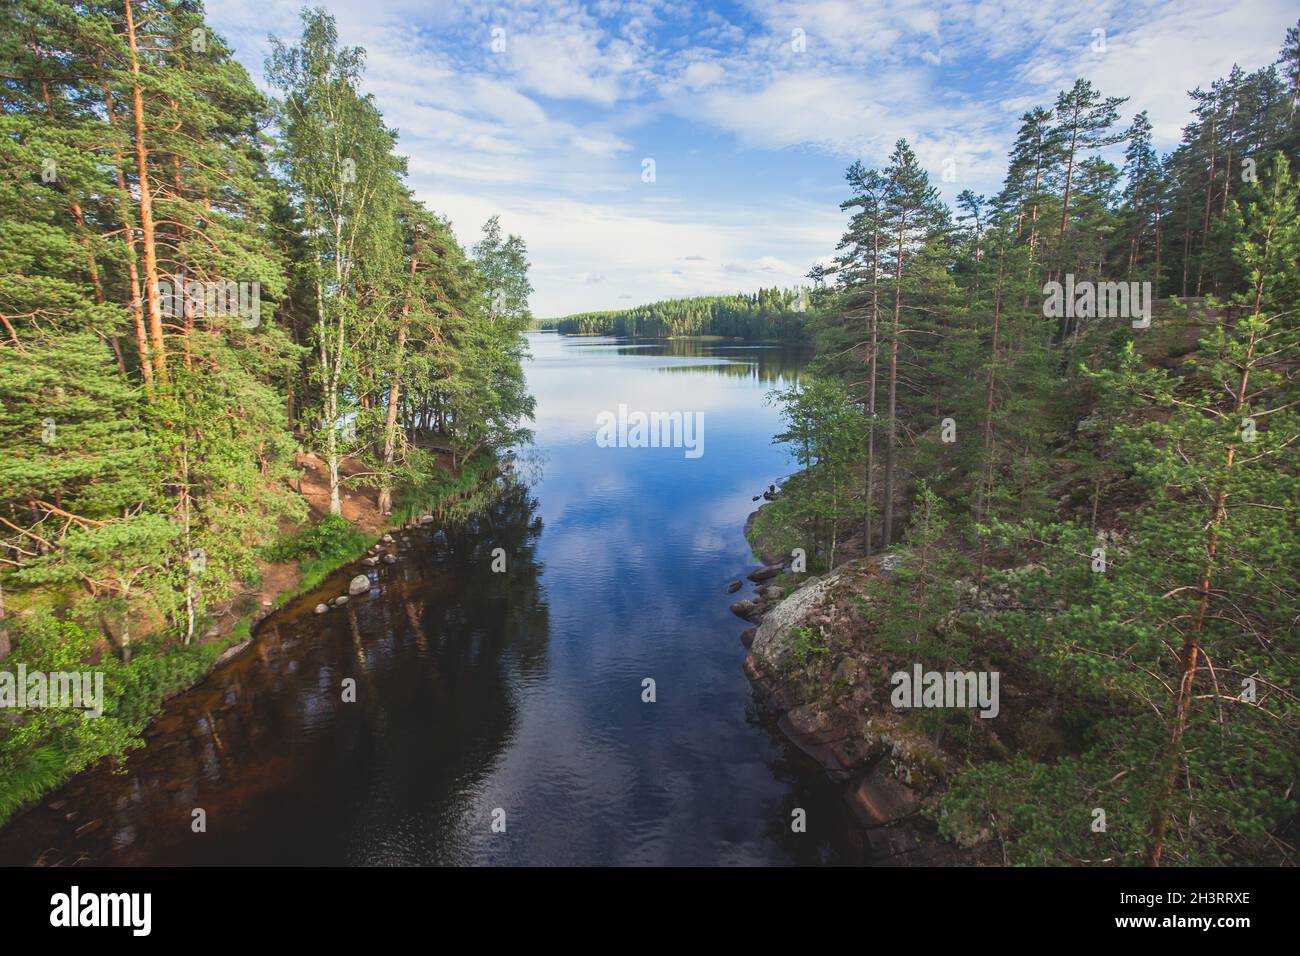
{"x":915,"y":217}
{"x":858,"y":271}
{"x":1083,"y":121}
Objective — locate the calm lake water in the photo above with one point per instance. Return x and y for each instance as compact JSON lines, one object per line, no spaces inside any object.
{"x":484,"y":696}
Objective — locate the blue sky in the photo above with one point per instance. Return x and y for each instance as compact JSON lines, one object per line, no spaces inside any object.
{"x":750,"y":111}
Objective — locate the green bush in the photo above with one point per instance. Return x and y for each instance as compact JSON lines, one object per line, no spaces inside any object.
{"x":320,"y":548}
{"x":40,"y":748}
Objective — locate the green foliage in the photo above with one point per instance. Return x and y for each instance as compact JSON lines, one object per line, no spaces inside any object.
{"x":149,"y":441}
{"x":766,"y":315}
{"x":1114,"y":523}
{"x":806,"y":645}
{"x":824,"y":431}
{"x":328,"y":537}
{"x":42,"y":747}
{"x":320,"y":548}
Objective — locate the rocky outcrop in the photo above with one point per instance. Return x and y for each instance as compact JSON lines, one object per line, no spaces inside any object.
{"x":775,"y":635}
{"x":830,"y":738}
{"x":233,"y":651}
{"x":879,"y":799}
{"x":829,"y":701}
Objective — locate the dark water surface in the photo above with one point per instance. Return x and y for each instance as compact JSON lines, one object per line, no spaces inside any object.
{"x":519,"y":691}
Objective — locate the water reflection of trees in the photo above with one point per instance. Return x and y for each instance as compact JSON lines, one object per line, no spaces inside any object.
{"x":506,"y":607}
{"x":476,"y":643}
{"x":767,"y":373}
{"x":762,"y":363}
{"x":287,"y":772}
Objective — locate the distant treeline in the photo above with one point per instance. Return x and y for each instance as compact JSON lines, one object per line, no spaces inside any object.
{"x":766,"y":314}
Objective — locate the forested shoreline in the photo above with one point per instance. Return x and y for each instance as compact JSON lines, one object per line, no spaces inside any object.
{"x":1095,"y":498}
{"x":198,"y":285}
{"x":766,"y":315}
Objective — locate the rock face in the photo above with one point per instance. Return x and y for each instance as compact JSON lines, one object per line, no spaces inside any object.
{"x":886,"y":768}
{"x":774,"y":638}
{"x":359,"y":585}
{"x":821,"y":738}
{"x":879,"y":799}
{"x":233,"y":651}
{"x":888,"y":563}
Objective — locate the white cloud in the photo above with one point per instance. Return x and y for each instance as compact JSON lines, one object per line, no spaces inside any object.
{"x":586,"y":255}
{"x":550,"y":131}
{"x":701,"y":74}
{"x":572,"y":64}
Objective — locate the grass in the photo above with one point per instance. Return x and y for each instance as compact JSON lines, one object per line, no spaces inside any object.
{"x":320,"y":549}
{"x":40,"y":750}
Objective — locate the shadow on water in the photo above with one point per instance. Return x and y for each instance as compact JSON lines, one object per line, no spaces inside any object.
{"x":286,"y":771}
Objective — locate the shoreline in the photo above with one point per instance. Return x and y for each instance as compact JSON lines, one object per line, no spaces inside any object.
{"x":884,"y":771}
{"x":233,"y":627}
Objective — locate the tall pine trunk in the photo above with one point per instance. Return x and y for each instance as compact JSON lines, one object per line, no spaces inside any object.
{"x":871,"y":382}
{"x":146,"y":206}
{"x":986,"y":478}
{"x":1209,"y":205}
{"x":132,"y":260}
{"x":1190,"y":655}
{"x":1063,"y":328}
{"x":887,"y":532}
